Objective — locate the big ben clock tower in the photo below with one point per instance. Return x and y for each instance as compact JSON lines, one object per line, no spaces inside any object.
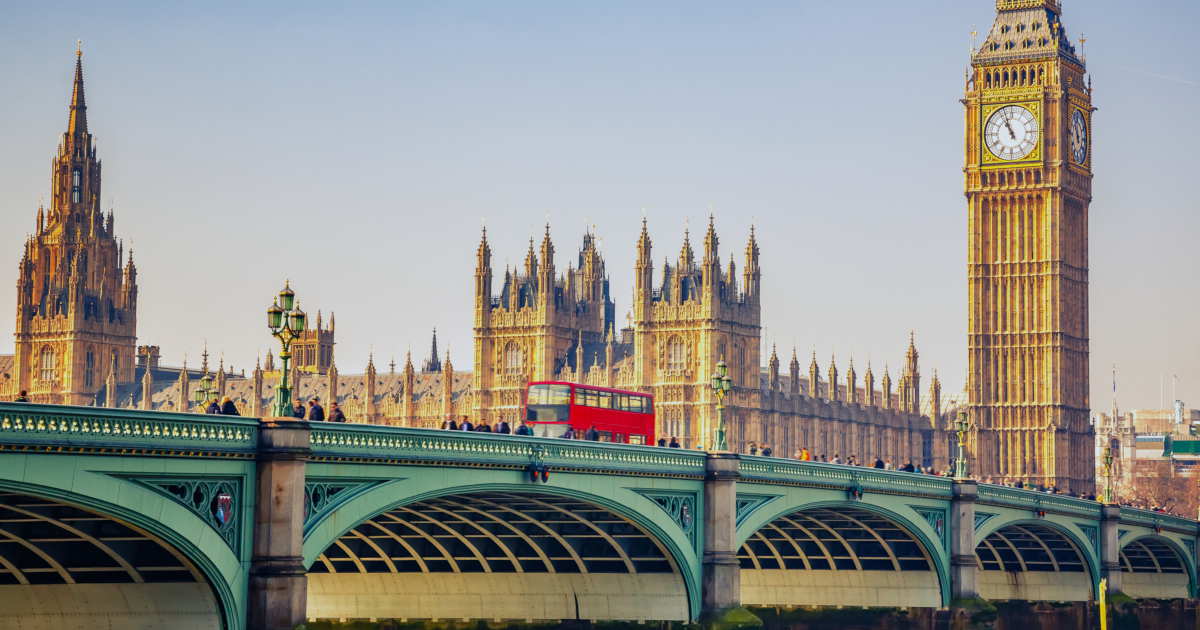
{"x":1028,"y":179}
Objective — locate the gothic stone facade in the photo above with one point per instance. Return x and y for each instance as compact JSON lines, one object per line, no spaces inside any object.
{"x":1028,"y":187}
{"x":76,"y":305}
{"x":546,"y":327}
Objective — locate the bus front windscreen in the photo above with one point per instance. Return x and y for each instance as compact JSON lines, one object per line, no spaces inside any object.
{"x":548,"y":403}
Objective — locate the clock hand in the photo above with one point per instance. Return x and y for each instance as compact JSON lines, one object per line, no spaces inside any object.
{"x":1008,"y":125}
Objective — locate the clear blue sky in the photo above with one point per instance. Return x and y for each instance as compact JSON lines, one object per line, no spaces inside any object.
{"x":354,"y":147}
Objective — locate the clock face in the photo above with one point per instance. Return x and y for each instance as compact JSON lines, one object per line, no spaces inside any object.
{"x":1079,"y":137}
{"x":1011,"y":133}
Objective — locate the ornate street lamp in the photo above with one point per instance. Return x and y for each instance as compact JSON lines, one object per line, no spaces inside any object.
{"x":721,"y":385}
{"x":1108,"y":475}
{"x":286,"y":322}
{"x":204,"y":392}
{"x":961,"y":426}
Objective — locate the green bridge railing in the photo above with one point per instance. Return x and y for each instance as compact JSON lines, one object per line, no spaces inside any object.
{"x":342,"y":442}
{"x":821,"y":475}
{"x":123,"y":432}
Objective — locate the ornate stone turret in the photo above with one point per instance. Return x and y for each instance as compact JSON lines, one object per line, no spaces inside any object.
{"x":183,"y":399}
{"x":887,"y":388}
{"x":852,"y":384}
{"x":370,"y":409}
{"x":76,"y":302}
{"x":814,"y":377}
{"x":331,"y":384}
{"x":433,"y":363}
{"x":869,"y":386}
{"x":408,"y":396}
{"x":832,"y":380}
{"x":773,"y":370}
{"x":448,"y":387}
{"x":256,"y":398}
{"x":147,"y":390}
{"x":794,"y":372}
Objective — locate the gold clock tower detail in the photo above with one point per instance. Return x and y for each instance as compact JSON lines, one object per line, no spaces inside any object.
{"x":1028,"y":180}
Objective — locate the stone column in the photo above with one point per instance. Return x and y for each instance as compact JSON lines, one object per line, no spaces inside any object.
{"x":722,"y":574}
{"x":962,"y":540}
{"x":1110,"y":547}
{"x":278,"y":585}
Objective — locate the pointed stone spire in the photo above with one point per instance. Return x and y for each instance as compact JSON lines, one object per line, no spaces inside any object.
{"x":182,"y":400}
{"x":331,"y":384}
{"x":832,"y":379}
{"x":644,"y":246}
{"x":110,"y":385}
{"x":711,"y":256}
{"x":814,"y":377}
{"x":852,"y":384}
{"x":794,"y":372}
{"x":773,"y":369}
{"x":580,"y":369}
{"x":433,"y":363}
{"x":256,"y":392}
{"x":77,"y":123}
{"x":687,"y":257}
{"x":887,"y":388}
{"x":869,"y":385}
{"x":147,"y":389}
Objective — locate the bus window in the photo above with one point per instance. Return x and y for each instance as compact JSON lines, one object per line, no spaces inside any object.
{"x":548,"y":403}
{"x":605,"y":436}
{"x":637,"y":439}
{"x":604,"y":400}
{"x":552,"y":430}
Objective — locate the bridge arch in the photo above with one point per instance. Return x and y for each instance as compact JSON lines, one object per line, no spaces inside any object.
{"x":1156,"y":567}
{"x":1034,"y":560}
{"x":787,"y":557}
{"x":119,"y":555}
{"x":446,"y":546}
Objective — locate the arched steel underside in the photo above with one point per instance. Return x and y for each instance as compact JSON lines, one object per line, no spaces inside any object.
{"x":1153,"y":568}
{"x":502,"y":555}
{"x":1032,"y":562}
{"x":58,"y":560}
{"x":790,"y":560}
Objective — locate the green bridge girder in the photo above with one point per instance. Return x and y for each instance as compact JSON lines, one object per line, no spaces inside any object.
{"x":369,"y":497}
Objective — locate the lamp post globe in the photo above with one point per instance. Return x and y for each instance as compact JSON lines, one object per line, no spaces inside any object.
{"x":287,"y":322}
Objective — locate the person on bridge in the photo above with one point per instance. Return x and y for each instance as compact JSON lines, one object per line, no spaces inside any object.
{"x":767,"y":451}
{"x":335,"y":413}
{"x":465,"y":425}
{"x":674,"y":442}
{"x":450,"y":425}
{"x":592,"y":435}
{"x":22,"y":397}
{"x":662,"y":442}
{"x":805,"y":456}
{"x":879,"y":463}
{"x":214,"y":408}
{"x":297,"y":409}
{"x":524,"y":429}
{"x":228,"y":408}
{"x":502,"y":427}
{"x":315,"y":411}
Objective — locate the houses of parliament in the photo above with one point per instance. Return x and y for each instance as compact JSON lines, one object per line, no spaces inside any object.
{"x":1027,"y":178}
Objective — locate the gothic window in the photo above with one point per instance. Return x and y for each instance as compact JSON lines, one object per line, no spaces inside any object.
{"x":47,"y":364}
{"x":676,"y":355}
{"x":75,"y":186}
{"x":89,"y":374}
{"x":514,"y":359}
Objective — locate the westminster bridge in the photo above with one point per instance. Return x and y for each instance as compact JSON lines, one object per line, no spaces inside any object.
{"x":144,"y":519}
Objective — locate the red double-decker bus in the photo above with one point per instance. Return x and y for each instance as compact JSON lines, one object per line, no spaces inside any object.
{"x":567,"y":410}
